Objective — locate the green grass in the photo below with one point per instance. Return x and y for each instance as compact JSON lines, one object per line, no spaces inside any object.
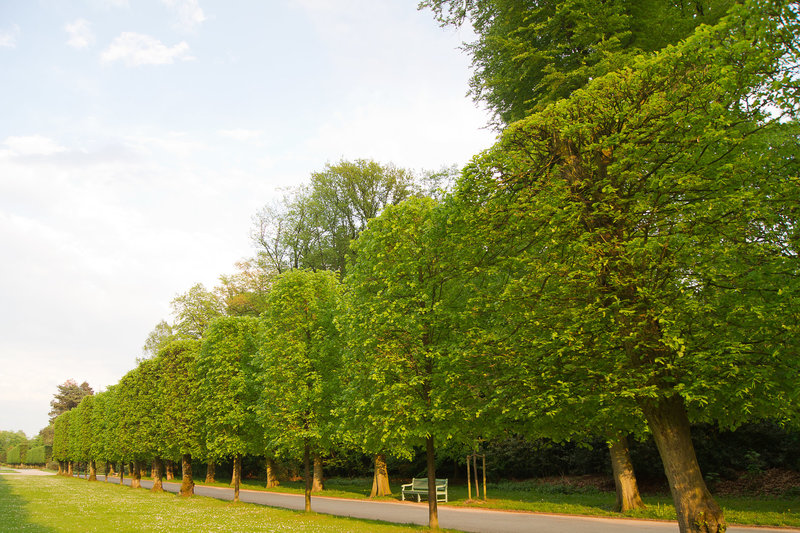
{"x":63,"y":505}
{"x":565,"y":499}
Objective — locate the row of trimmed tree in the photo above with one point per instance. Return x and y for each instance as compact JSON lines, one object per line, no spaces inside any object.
{"x":622,"y":262}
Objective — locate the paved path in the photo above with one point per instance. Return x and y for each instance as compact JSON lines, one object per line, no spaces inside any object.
{"x":27,"y":472}
{"x":474,"y":520}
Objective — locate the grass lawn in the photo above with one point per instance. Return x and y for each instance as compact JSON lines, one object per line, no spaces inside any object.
{"x":45,"y":504}
{"x":563,"y":499}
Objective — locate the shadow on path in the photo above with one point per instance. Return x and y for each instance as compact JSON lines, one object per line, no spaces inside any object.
{"x":13,"y":513}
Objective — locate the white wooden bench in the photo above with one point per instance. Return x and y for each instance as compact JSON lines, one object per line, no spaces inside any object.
{"x":419,"y":487}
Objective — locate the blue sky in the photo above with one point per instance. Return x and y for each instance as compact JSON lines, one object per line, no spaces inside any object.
{"x":138,"y":138}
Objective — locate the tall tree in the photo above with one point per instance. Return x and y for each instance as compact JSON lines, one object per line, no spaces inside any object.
{"x":68,"y":397}
{"x":299,"y":355}
{"x":650,"y":221}
{"x":179,"y":415}
{"x":244,"y":293}
{"x":227,"y":394}
{"x":194,"y":310}
{"x":313,"y":228}
{"x":400,"y":384}
{"x":530,"y":53}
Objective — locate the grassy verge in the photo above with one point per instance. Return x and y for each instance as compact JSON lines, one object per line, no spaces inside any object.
{"x":563,"y":499}
{"x":50,"y":504}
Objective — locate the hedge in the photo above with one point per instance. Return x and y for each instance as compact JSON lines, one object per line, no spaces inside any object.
{"x":17,"y":454}
{"x":37,"y":455}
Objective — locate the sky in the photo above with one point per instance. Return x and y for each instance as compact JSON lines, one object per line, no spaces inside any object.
{"x":139,"y":137}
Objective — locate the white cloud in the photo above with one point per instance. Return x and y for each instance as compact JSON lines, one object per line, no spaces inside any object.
{"x":137,"y":49}
{"x":80,"y":34}
{"x":242,"y":135}
{"x":190,"y":15}
{"x":31,"y":145}
{"x":8,"y":38}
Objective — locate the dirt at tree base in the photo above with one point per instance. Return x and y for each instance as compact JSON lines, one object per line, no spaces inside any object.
{"x":772,"y":482}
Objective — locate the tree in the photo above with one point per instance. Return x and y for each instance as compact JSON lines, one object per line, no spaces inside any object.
{"x":244,"y":293}
{"x":193,"y":310}
{"x":68,"y":397}
{"x":226,"y":392}
{"x":650,"y":223}
{"x":528,"y":54}
{"x":181,"y":425}
{"x":299,"y":356}
{"x":161,"y":335}
{"x":314,"y":227}
{"x":401,"y":384}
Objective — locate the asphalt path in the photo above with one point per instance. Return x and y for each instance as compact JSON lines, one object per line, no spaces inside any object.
{"x":463,"y":519}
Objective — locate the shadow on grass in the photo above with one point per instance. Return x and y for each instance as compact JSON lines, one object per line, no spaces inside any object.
{"x":13,"y":513}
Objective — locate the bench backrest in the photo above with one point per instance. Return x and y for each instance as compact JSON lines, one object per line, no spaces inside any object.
{"x":421,"y":483}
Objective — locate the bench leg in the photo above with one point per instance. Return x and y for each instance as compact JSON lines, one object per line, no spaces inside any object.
{"x":418,"y":498}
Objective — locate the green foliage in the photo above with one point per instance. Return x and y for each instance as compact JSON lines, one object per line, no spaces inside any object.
{"x":528,"y":54}
{"x":226,"y":390}
{"x":299,"y":358}
{"x":193,"y":311}
{"x":9,"y":439}
{"x":38,"y":455}
{"x":645,"y":229}
{"x":313,"y":228}
{"x":17,"y":454}
{"x":68,"y":397}
{"x":180,"y":420}
{"x":61,"y":425}
{"x":401,"y":385}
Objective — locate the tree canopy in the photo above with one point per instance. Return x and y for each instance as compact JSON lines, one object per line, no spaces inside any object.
{"x":532,"y":53}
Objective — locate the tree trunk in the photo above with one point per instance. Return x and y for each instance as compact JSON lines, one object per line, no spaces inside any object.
{"x":109,"y":469}
{"x":433,"y":510}
{"x":307,"y":474}
{"x":624,"y":477}
{"x":211,"y":470}
{"x":92,"y":471}
{"x":136,"y":475}
{"x":170,"y":466}
{"x":272,"y":478}
{"x":318,"y":485}
{"x":158,"y":475}
{"x":61,"y":468}
{"x":70,"y":471}
{"x":187,"y":483}
{"x":121,"y":473}
{"x":380,"y":479}
{"x":237,"y":475}
{"x":697,"y":511}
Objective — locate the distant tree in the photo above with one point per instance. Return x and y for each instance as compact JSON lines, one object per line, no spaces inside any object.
{"x":9,"y":439}
{"x":68,"y":397}
{"x":244,"y":293}
{"x":193,"y":310}
{"x":313,"y":227}
{"x":46,"y":434}
{"x":161,"y":335}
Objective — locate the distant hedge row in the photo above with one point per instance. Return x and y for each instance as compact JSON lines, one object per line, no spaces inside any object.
{"x":20,"y":454}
